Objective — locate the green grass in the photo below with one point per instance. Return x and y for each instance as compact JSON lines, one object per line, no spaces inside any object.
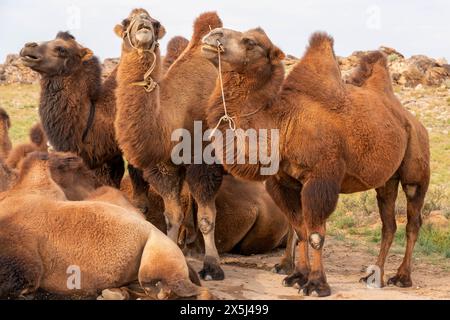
{"x":21,"y":102}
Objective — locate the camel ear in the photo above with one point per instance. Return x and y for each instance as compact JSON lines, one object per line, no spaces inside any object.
{"x":161,"y":32}
{"x":276,"y":55}
{"x":118,"y":30}
{"x":86,"y":54}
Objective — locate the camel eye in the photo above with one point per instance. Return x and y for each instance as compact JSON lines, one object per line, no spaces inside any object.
{"x":249,"y":43}
{"x":61,"y":51}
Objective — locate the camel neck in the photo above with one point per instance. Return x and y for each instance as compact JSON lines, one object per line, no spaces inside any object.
{"x":252,"y":93}
{"x":65,"y":102}
{"x":141,"y":125}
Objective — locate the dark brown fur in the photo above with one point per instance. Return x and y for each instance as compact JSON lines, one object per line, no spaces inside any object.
{"x":69,"y":86}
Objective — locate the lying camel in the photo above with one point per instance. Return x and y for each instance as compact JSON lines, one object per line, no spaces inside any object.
{"x":109,"y":244}
{"x":151,"y":107}
{"x":334,"y":138}
{"x":77,"y":109}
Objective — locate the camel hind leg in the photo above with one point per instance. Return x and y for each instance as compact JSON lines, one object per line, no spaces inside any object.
{"x":386,"y":197}
{"x":164,"y":268}
{"x":415,"y":178}
{"x":415,"y":196}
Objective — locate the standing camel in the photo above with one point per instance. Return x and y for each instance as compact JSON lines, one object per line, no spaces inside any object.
{"x":76,"y":109}
{"x":334,"y":138}
{"x":150,"y":107}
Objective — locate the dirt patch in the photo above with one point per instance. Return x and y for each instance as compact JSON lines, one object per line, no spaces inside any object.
{"x":251,"y":277}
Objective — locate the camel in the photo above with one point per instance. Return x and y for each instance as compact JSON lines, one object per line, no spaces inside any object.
{"x":5,"y":142}
{"x":76,"y":108}
{"x":110,"y":245}
{"x":150,"y":107}
{"x":175,"y":48}
{"x":334,"y":138}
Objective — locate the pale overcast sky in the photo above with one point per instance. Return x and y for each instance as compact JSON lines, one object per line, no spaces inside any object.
{"x":412,"y":27}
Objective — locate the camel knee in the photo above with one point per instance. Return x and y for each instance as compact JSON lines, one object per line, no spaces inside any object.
{"x":410,"y":191}
{"x":206,"y":225}
{"x":316,"y":240}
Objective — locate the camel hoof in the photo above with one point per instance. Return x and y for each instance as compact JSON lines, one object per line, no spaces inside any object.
{"x":282,"y":268}
{"x":316,"y":287}
{"x":402,"y":281}
{"x":211,"y":271}
{"x":113,"y":294}
{"x":295,"y":278}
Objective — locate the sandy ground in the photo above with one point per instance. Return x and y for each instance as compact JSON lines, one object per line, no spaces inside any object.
{"x":252,"y":278}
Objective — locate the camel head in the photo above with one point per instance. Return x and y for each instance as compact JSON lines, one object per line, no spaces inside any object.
{"x":249,"y":51}
{"x":61,"y":56}
{"x":140,"y":31}
{"x":72,"y":175}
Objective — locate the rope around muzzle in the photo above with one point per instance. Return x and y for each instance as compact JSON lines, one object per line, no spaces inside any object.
{"x":148,"y":83}
{"x":226,"y":117}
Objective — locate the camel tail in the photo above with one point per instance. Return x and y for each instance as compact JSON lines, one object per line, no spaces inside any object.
{"x":317,"y":74}
{"x":203,"y":25}
{"x":372,"y":72}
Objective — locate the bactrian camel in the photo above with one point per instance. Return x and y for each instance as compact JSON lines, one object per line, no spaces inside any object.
{"x":150,"y":107}
{"x":334,"y":138}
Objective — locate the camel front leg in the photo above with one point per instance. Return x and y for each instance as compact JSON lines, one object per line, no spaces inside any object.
{"x":140,"y":189}
{"x":319,"y":198}
{"x":167,"y":180}
{"x":204,"y":182}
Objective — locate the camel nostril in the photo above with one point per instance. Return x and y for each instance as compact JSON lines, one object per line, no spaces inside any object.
{"x":31,"y":44}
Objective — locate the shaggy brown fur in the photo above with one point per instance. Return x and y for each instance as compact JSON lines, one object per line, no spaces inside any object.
{"x":335,"y":138}
{"x":71,"y":86}
{"x":175,"y":48}
{"x":111,"y":244}
{"x":146,"y":120}
{"x":5,"y":142}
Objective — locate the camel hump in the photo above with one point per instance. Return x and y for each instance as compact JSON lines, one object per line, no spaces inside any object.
{"x":175,"y":48}
{"x":317,"y":74}
{"x":372,"y":72}
{"x":204,"y":24}
{"x":37,"y":135}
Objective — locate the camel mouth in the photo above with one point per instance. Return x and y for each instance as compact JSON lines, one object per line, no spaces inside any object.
{"x":30,"y":59}
{"x":211,"y":48}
